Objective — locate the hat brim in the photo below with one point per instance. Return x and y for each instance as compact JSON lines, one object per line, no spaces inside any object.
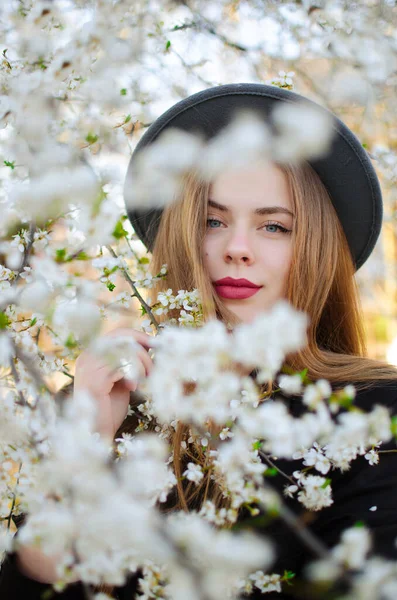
{"x":347,"y":171}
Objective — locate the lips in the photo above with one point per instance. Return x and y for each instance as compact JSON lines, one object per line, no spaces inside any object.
{"x":229,"y":281}
{"x":236,"y":289}
{"x":235,"y":292}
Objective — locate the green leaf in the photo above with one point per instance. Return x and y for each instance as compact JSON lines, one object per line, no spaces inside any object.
{"x":303,"y":375}
{"x":287,"y":370}
{"x":41,"y":63}
{"x":108,"y":272}
{"x":82,"y":256}
{"x":33,"y":321}
{"x":71,"y":342}
{"x":143,"y":311}
{"x":271,"y":472}
{"x":273,"y":511}
{"x":326,"y":483}
{"x":91,"y":138}
{"x":10,"y":164}
{"x":257,"y":445}
{"x":359,"y":524}
{"x":144,"y":260}
{"x":123,"y":92}
{"x":4,"y":320}
{"x":287,"y":576}
{"x":60,"y":255}
{"x":168,"y":45}
{"x":394,"y":426}
{"x":110,"y":286}
{"x":119,"y":231}
{"x":345,"y":401}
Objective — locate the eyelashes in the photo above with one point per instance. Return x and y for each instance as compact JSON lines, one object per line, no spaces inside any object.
{"x":268,"y":224}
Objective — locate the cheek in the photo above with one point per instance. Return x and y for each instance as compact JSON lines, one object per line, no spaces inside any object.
{"x":278,"y":260}
{"x":205,"y":255}
{"x":208,"y":249}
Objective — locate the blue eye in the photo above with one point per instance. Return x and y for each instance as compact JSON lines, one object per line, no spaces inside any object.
{"x":211,"y":221}
{"x":278,"y":228}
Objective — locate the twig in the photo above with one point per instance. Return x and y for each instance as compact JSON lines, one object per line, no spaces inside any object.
{"x":13,"y":500}
{"x":31,"y":367}
{"x":302,"y":532}
{"x":22,"y":400}
{"x":136,"y":293}
{"x":131,"y":248}
{"x":75,"y":254}
{"x":274,"y":466}
{"x":190,"y":68}
{"x":27,"y":252}
{"x":68,"y":374}
{"x":192,"y":24}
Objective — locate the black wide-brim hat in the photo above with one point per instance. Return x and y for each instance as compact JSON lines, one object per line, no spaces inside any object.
{"x":346,"y":171}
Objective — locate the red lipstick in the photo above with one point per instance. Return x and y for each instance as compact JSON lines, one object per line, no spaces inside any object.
{"x":236,"y":289}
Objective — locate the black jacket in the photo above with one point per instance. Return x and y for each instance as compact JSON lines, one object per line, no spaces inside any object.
{"x":354,"y":492}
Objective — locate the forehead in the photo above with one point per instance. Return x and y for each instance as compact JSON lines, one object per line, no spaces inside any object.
{"x":251,"y":187}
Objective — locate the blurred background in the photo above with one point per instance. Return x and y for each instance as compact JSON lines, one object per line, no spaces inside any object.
{"x":114,"y":72}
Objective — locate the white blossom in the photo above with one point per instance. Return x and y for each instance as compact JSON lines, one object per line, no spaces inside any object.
{"x":305,"y":132}
{"x":315,"y":458}
{"x":290,"y":384}
{"x":6,"y":350}
{"x":248,"y":133}
{"x":194,"y":472}
{"x":36,"y":296}
{"x":77,"y":85}
{"x":49,"y":194}
{"x":372,"y":457}
{"x":266,"y":583}
{"x":156,"y":177}
{"x":316,"y":493}
{"x":353,"y":548}
{"x":315,"y":393}
{"x":81,"y":318}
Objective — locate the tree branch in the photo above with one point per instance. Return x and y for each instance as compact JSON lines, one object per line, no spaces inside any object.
{"x":136,"y":293}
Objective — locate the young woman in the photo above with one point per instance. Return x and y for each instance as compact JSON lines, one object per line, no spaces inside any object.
{"x":294,"y":232}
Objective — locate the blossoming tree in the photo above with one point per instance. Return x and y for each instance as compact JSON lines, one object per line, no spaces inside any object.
{"x":80,"y":80}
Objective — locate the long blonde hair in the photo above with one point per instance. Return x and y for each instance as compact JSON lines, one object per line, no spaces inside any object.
{"x":321,"y":283}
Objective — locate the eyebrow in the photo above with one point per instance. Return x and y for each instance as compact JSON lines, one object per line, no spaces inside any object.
{"x":266,"y":210}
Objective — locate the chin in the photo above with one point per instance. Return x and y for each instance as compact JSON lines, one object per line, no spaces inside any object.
{"x":248,"y":313}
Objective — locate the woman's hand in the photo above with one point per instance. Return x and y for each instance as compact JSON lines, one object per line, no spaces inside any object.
{"x":109,"y":386}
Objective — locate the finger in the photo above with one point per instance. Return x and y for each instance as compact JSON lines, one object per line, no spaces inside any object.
{"x":140,"y":336}
{"x":116,"y":375}
{"x":147,"y":362}
{"x":145,"y":366}
{"x":94,"y":363}
{"x":130,"y":384}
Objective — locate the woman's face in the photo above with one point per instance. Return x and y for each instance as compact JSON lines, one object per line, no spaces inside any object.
{"x":249,"y":236}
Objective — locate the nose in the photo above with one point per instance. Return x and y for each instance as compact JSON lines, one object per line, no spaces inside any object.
{"x":238,"y":249}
